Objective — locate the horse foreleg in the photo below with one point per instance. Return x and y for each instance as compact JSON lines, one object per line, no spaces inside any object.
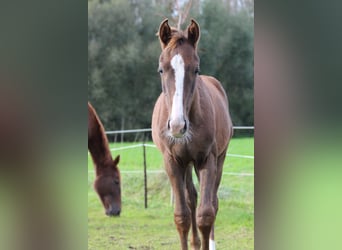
{"x":212,"y":234}
{"x":206,"y":212}
{"x":182,"y":214}
{"x":212,"y":239}
{"x":220,"y":161}
{"x":192,"y":203}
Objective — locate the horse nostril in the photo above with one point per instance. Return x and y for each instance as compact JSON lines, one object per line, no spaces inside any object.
{"x":168,"y":124}
{"x":184,"y":128}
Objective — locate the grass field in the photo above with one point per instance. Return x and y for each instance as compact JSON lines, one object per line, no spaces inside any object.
{"x":153,"y":228}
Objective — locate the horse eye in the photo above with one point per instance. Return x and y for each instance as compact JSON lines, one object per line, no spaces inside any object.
{"x":116,"y":182}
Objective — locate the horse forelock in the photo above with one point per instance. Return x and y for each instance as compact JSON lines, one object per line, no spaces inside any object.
{"x":178,"y":38}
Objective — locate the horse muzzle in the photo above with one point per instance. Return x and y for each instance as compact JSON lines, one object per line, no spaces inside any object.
{"x":113,"y":212}
{"x":177,"y":127}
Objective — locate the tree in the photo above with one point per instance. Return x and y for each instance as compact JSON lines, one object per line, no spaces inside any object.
{"x":226,"y":52}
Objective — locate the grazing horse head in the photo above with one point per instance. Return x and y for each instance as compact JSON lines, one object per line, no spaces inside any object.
{"x":179,"y":69}
{"x":107,"y":186}
{"x":192,"y":127}
{"x":108,"y":181}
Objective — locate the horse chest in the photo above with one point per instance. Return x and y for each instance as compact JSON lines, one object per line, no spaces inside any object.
{"x":187,"y":153}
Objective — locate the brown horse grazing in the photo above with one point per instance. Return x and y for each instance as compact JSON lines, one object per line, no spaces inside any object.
{"x":192,"y":127}
{"x":107,"y":182}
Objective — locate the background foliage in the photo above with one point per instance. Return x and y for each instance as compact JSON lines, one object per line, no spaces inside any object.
{"x":123,"y":52}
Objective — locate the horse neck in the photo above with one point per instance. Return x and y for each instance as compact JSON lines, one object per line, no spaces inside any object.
{"x":98,"y":147}
{"x":195,"y":109}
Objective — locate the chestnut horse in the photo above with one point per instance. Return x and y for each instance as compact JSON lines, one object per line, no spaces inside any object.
{"x":107,"y":182}
{"x":192,"y":127}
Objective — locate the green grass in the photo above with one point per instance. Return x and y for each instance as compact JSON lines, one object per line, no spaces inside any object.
{"x":153,"y":228}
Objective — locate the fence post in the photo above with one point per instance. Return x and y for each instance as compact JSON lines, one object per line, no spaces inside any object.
{"x":145,"y":175}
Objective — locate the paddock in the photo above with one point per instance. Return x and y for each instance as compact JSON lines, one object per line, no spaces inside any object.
{"x":153,"y":227}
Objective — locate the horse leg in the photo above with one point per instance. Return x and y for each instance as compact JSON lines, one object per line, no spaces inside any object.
{"x":220,"y":161}
{"x":206,"y":211}
{"x":182,"y":214}
{"x":192,"y":204}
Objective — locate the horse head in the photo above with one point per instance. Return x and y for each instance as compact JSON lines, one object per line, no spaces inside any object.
{"x":179,"y":70}
{"x":107,"y":186}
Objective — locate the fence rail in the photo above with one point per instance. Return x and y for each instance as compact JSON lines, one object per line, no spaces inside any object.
{"x":144,"y":145}
{"x":149,"y":130}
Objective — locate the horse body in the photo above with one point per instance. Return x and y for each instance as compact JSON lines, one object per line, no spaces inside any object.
{"x":192,"y":128}
{"x":107,"y":182}
{"x":207,"y":135}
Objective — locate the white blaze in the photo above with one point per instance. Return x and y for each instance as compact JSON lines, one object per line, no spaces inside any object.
{"x":177,"y":116}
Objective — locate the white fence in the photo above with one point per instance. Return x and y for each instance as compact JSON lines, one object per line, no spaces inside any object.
{"x":150,"y":130}
{"x":144,"y":145}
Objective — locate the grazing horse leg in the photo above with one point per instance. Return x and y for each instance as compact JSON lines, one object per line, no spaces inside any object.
{"x":192,"y":203}
{"x":182,"y":213}
{"x":206,"y":211}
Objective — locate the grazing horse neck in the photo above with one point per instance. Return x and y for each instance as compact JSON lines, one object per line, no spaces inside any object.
{"x":98,"y":146}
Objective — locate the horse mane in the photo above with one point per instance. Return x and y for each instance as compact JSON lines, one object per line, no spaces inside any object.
{"x":97,"y":140}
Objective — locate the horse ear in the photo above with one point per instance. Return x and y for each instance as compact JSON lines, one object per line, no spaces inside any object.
{"x":193,"y":32}
{"x":164,"y":33}
{"x":117,"y":159}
